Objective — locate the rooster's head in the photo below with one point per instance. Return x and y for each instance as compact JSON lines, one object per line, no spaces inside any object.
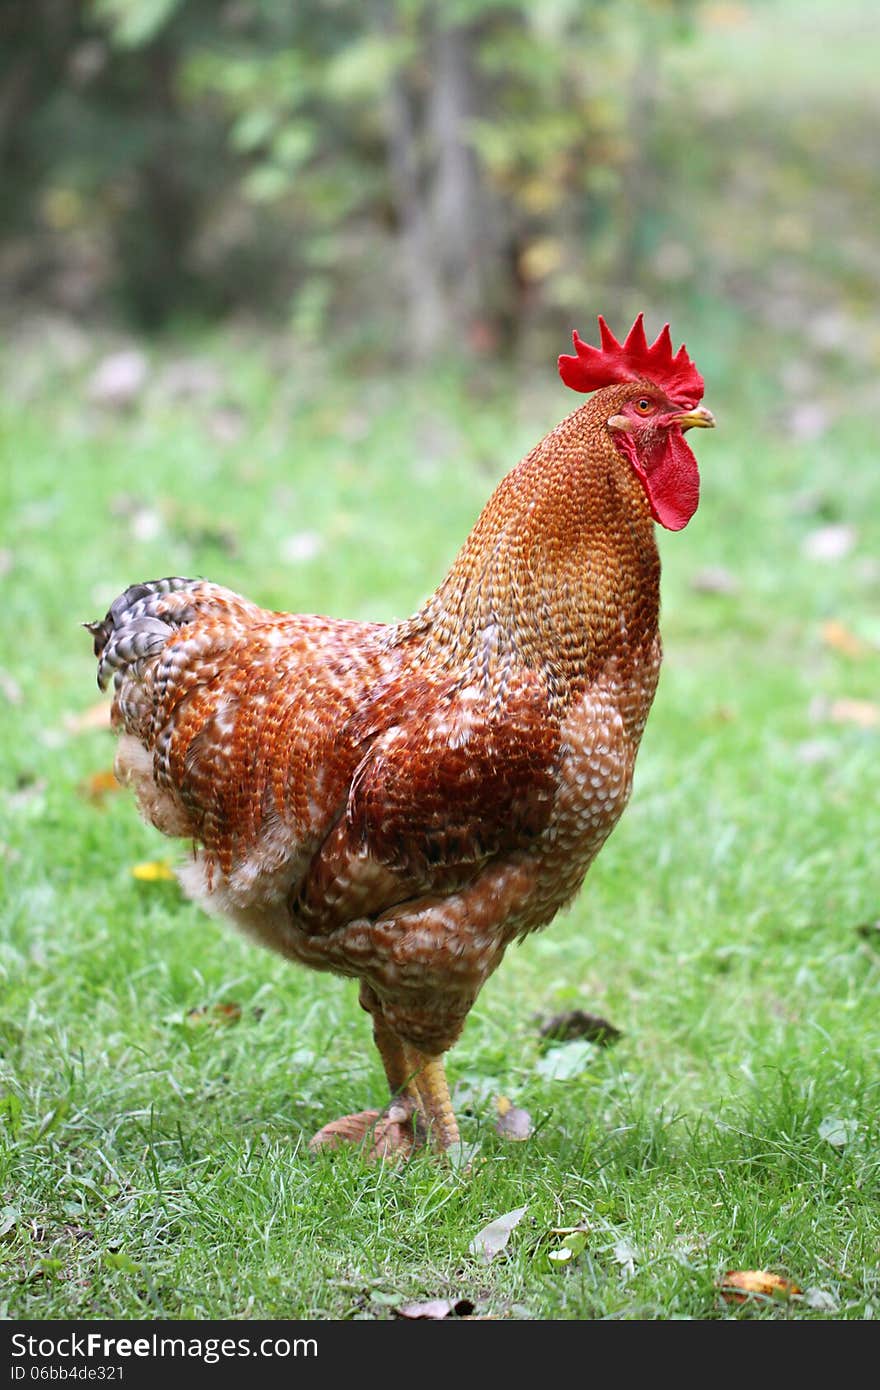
{"x":648,"y":418}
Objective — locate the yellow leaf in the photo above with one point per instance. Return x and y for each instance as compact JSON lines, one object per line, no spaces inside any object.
{"x":153,"y":871}
{"x":739,"y":1284}
{"x":99,"y":786}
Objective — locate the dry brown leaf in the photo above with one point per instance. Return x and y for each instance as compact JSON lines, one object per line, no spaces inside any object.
{"x":387,"y":1135}
{"x":512,"y":1122}
{"x":214,"y":1015}
{"x":95,"y":717}
{"x":99,"y":786}
{"x":153,"y":871}
{"x":578,"y":1024}
{"x":436,"y":1309}
{"x":864,"y":713}
{"x":835,"y":635}
{"x":740,"y":1284}
{"x":350,"y":1129}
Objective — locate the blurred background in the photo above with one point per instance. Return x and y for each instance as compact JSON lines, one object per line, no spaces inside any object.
{"x":470,"y":178}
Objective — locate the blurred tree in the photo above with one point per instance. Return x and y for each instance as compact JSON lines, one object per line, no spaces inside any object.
{"x":462,"y":170}
{"x":492,"y":140}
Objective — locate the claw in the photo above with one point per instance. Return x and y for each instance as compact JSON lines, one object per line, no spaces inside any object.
{"x":393,"y":1133}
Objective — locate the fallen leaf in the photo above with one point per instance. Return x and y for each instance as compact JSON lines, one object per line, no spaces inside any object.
{"x":153,"y":871}
{"x":572,"y":1246}
{"x":99,"y":786}
{"x":493,"y":1238}
{"x":387,"y":1136}
{"x":838,"y":1132}
{"x":9,"y":1218}
{"x":626,"y":1254}
{"x":829,"y":543}
{"x":512,"y":1122}
{"x":565,"y":1062}
{"x":578,"y":1024}
{"x":462,"y":1158}
{"x":437,"y":1308}
{"x":821,"y":1300}
{"x":95,"y":717}
{"x":214,"y":1015}
{"x":835,"y":635}
{"x":740,"y":1284}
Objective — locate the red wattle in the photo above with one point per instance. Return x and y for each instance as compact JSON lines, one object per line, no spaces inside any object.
{"x":669,"y":476}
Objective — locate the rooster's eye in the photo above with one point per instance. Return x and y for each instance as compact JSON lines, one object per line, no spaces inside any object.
{"x":644,"y":406}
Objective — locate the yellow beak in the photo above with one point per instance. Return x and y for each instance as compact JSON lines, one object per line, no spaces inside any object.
{"x":699,"y":418}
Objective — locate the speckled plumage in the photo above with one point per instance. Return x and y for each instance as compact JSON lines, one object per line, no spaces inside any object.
{"x":398,"y":803}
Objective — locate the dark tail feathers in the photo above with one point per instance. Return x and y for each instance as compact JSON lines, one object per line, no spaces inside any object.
{"x":134,"y":627}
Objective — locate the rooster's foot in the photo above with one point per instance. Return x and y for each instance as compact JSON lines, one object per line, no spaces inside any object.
{"x":390,"y":1133}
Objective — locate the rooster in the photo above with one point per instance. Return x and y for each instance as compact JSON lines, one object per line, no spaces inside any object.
{"x":398,"y":803}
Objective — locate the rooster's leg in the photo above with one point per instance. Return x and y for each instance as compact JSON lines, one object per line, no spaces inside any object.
{"x":429,"y":1079}
{"x":415,"y":1077}
{"x":396,"y":1129}
{"x":399,"y":1066}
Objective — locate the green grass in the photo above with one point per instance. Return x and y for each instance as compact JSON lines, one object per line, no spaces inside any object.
{"x":153,"y":1163}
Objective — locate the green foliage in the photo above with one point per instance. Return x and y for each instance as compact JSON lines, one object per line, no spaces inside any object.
{"x":134,"y":22}
{"x":471,"y":171}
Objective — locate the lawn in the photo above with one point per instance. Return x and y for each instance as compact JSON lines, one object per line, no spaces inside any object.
{"x":160,"y":1077}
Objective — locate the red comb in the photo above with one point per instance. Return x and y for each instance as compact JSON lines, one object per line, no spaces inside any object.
{"x":633,"y":360}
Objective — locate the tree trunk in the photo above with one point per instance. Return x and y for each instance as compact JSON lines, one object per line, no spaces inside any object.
{"x":419,"y":272}
{"x":463,"y":213}
{"x":451,"y":256}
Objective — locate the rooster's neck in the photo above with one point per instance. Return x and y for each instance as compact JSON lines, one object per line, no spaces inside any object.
{"x":561,"y":572}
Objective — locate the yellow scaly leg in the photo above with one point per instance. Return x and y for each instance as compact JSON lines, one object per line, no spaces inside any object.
{"x":429,"y":1078}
